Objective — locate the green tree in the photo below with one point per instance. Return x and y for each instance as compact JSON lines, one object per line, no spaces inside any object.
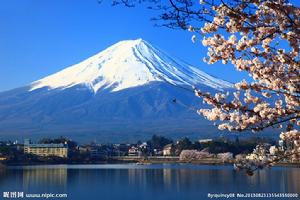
{"x":183,"y":144}
{"x":158,"y":142}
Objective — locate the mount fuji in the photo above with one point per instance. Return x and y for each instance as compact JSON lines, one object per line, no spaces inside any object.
{"x":124,"y":92}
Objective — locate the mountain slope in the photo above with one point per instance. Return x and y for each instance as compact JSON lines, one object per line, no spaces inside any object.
{"x":121,"y":92}
{"x":128,"y":64}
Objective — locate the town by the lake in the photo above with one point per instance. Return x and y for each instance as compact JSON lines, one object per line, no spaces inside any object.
{"x":157,"y":149}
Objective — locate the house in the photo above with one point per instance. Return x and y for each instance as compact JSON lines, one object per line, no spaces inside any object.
{"x":3,"y":157}
{"x":97,"y":153}
{"x":120,"y":149}
{"x":144,"y":145}
{"x":167,"y":150}
{"x":133,"y":151}
{"x":83,"y":149}
{"x":157,"y":152}
{"x":203,"y":141}
{"x":93,"y":150}
{"x":59,"y":150}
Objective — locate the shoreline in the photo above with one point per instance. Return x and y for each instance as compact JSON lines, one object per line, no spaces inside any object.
{"x":141,"y":161}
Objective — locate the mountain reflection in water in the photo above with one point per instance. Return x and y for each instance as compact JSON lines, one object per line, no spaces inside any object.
{"x":145,"y":182}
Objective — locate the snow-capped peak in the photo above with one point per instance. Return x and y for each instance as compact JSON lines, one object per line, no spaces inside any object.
{"x":127,"y":64}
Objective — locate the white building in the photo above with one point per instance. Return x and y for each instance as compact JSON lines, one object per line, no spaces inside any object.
{"x":167,"y":151}
{"x":202,"y":141}
{"x":59,"y":150}
{"x":133,"y":151}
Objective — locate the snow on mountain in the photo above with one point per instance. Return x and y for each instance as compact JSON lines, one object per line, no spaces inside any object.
{"x":128,"y":64}
{"x":125,"y":91}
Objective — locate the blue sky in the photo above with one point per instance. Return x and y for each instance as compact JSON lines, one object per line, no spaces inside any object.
{"x":38,"y":38}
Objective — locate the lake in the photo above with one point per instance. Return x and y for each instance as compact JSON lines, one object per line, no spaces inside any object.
{"x":157,"y":181}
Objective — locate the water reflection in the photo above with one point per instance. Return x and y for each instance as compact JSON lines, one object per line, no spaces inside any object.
{"x":146,"y":182}
{"x":45,"y":176}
